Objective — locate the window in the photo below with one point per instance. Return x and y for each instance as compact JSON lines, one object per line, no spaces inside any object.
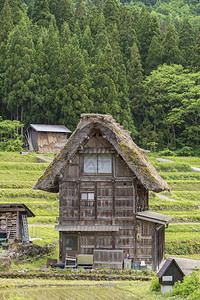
{"x":71,"y":242}
{"x":87,"y":196}
{"x":98,"y":163}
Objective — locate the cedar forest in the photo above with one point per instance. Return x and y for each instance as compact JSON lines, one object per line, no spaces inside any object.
{"x":137,"y":60}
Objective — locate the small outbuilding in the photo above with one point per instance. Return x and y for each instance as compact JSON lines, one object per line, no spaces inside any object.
{"x":13,"y":221}
{"x":169,"y":273}
{"x":46,"y":138}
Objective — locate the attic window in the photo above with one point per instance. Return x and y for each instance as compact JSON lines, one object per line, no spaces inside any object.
{"x":98,"y":163}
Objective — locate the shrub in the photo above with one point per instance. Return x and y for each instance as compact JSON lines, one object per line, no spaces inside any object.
{"x":189,"y":287}
{"x":166,"y":152}
{"x":185,"y":151}
{"x":155,"y":285}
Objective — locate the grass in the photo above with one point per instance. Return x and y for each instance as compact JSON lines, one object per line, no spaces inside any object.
{"x":18,"y":174}
{"x":86,"y":290}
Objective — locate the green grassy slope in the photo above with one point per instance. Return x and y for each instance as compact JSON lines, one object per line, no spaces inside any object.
{"x":18,"y":173}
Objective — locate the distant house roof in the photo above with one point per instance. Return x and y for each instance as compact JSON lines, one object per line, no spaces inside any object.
{"x":50,"y":128}
{"x":16,"y":207}
{"x":154,"y":217}
{"x":121,"y":141}
{"x":169,"y":261}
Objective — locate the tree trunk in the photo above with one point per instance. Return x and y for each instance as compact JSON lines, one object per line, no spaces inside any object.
{"x":174,"y":133}
{"x":22,"y":128}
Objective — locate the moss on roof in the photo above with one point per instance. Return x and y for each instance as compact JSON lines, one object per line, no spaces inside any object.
{"x":122,"y":142}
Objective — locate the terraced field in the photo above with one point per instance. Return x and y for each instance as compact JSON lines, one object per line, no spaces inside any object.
{"x":182,"y":202}
{"x":18,"y":173}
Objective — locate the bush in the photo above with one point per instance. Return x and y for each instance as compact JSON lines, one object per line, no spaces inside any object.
{"x":155,"y":285}
{"x":189,"y":287}
{"x":185,"y":151}
{"x":166,"y":152}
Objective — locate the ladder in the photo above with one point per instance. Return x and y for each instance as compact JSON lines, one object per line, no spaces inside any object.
{"x":25,"y":233}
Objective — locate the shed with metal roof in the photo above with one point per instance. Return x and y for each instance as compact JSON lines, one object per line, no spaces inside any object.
{"x":46,"y":138}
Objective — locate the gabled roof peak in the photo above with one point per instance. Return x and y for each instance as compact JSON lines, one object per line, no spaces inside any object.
{"x":120,"y":140}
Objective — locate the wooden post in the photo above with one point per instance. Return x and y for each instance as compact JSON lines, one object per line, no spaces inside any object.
{"x":17,"y":225}
{"x":60,"y":219}
{"x":135,"y":220}
{"x":113,"y":202}
{"x":95,"y":201}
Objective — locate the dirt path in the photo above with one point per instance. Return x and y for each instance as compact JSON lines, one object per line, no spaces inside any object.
{"x":166,"y":198}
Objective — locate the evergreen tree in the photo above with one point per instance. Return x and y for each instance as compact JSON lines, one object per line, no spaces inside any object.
{"x":135,"y":78}
{"x":81,"y":14}
{"x":6,"y":22}
{"x":62,"y":10}
{"x":171,"y":52}
{"x":154,"y":57}
{"x":196,"y":53}
{"x":94,"y":20}
{"x":111,"y":13}
{"x":127,"y":31}
{"x":186,"y":42}
{"x":144,"y":33}
{"x":6,"y":25}
{"x":65,"y":34}
{"x":19,"y":67}
{"x":87,"y":42}
{"x":40,"y":13}
{"x":72,"y":96}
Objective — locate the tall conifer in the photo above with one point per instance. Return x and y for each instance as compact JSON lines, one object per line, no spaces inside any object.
{"x":186,"y":42}
{"x":171,"y":52}
{"x":19,"y":67}
{"x":196,"y":53}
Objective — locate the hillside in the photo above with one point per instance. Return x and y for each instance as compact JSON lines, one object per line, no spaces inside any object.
{"x":18,"y":173}
{"x":139,"y":63}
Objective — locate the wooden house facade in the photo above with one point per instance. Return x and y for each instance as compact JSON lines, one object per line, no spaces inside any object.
{"x":103,"y":180}
{"x":46,"y":138}
{"x":13,"y":221}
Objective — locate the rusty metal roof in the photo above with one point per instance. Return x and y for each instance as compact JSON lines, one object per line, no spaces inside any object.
{"x":50,"y":128}
{"x":154,"y":217}
{"x":88,"y":228}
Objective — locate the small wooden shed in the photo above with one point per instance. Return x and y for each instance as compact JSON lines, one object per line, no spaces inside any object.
{"x":46,"y":138}
{"x":169,"y":273}
{"x":103,"y":179}
{"x":13,"y":221}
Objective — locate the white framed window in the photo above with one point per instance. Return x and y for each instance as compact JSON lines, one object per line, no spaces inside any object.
{"x":87,"y":196}
{"x":98,"y":163}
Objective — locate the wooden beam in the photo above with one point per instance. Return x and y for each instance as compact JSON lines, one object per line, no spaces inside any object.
{"x":95,"y":201}
{"x":106,"y":178}
{"x":17,"y":226}
{"x":9,"y":209}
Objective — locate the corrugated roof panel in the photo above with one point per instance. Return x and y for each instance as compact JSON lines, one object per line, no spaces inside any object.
{"x":154,"y":217}
{"x":85,"y":228}
{"x":50,"y":128}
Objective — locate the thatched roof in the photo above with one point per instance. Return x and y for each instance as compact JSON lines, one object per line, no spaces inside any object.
{"x":121,"y":141}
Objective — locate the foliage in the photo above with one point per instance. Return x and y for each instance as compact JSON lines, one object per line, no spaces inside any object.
{"x":155,"y":285}
{"x":189,"y":287}
{"x":9,"y":139}
{"x":185,"y":151}
{"x":59,"y":59}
